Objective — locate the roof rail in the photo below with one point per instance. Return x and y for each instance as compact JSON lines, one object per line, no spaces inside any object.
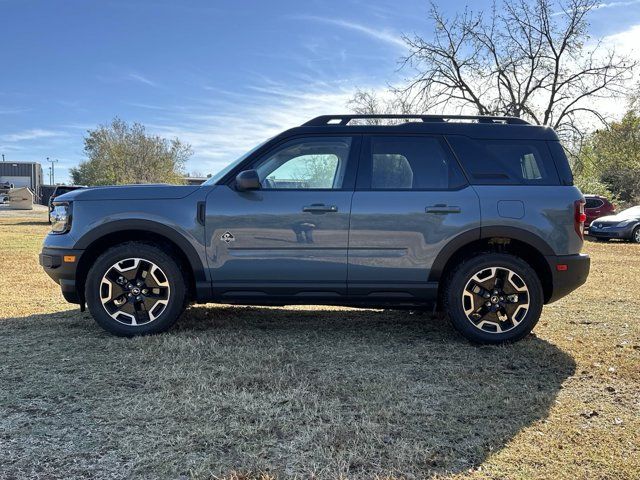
{"x":329,"y":120}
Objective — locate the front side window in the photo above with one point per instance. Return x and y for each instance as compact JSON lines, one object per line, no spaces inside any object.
{"x":412,"y":163}
{"x":307,"y":163}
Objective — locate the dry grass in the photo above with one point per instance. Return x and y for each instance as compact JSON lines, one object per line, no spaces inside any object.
{"x":283,"y":392}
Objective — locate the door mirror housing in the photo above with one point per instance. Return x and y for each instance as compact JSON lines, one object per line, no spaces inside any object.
{"x":247,"y":180}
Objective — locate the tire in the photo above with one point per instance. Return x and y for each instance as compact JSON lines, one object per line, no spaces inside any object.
{"x":121,"y":305}
{"x":635,"y":235}
{"x":519,"y":298}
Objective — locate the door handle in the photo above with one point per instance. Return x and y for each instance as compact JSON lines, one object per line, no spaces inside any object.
{"x":319,"y":208}
{"x":441,"y":208}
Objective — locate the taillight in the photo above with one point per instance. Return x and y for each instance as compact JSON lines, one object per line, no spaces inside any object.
{"x":579,"y":218}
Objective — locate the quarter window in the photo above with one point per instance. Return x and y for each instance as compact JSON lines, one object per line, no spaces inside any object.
{"x":510,"y":162}
{"x":412,"y":163}
{"x":523,"y":160}
{"x":317,"y":163}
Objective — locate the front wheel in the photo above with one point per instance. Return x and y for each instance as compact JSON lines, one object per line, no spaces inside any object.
{"x":135,"y":289}
{"x":493,"y":298}
{"x":635,"y":236}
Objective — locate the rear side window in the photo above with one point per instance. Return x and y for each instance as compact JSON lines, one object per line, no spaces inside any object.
{"x":411,"y":163}
{"x":509,"y":162}
{"x":593,"y":202}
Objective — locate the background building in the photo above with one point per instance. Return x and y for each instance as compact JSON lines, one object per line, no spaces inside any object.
{"x":23,"y":174}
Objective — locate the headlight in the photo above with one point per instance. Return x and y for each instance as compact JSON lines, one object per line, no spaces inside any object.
{"x":61,"y":218}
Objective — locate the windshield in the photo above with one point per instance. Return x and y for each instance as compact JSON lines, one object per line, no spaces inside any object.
{"x":218,"y":176}
{"x":630,"y":212}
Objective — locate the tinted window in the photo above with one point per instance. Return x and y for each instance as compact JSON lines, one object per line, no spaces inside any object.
{"x":312,"y":163}
{"x":412,"y":162}
{"x":490,"y":162}
{"x":561,"y":162}
{"x":593,"y":202}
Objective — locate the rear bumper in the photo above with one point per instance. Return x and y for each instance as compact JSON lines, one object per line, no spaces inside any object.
{"x":61,"y":265}
{"x":568,"y":272}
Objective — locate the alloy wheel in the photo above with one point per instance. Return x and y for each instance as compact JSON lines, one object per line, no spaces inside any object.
{"x":495,"y":300}
{"x":134,"y":291}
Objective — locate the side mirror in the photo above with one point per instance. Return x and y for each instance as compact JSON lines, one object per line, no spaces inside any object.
{"x":247,"y":180}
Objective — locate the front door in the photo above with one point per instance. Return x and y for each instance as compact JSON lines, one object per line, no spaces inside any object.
{"x":290,"y":237}
{"x":411,"y":199}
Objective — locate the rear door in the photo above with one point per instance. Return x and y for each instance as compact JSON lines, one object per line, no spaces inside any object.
{"x":411,"y":199}
{"x":290,"y":237}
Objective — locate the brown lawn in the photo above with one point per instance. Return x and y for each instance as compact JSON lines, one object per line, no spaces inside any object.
{"x":324,"y":392}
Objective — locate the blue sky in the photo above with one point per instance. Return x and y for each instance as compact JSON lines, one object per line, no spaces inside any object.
{"x":222,"y":75}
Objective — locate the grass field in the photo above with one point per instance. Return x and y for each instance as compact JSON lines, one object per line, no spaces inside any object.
{"x":316,"y":392}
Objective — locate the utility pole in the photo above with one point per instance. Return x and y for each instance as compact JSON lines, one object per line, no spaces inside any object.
{"x":50,"y":175}
{"x":53,"y":170}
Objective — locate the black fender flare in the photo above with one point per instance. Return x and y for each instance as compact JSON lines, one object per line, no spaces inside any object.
{"x":196,"y":263}
{"x":480,"y":233}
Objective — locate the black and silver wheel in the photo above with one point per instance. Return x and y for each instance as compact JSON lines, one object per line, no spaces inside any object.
{"x":494,"y":298}
{"x":135,"y":289}
{"x":635,"y":236}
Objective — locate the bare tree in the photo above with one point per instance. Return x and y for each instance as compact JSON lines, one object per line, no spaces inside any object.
{"x":530,"y":59}
{"x":366,"y":102}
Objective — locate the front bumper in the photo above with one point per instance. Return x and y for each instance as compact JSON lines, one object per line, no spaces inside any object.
{"x":568,"y":272}
{"x":62,"y":265}
{"x":611,"y":232}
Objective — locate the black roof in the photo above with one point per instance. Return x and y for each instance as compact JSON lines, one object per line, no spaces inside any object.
{"x":475,"y":126}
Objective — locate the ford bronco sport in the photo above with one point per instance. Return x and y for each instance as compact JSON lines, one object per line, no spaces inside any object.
{"x":476,"y":215}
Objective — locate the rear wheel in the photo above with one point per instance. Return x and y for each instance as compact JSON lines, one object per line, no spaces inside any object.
{"x":135,"y":289}
{"x":493,"y":298}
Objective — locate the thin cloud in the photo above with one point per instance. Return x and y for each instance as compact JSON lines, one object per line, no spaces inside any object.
{"x":142,"y":79}
{"x":604,"y":5}
{"x":382,"y":35}
{"x":625,"y":41}
{"x":117,"y":76}
{"x":147,"y":106}
{"x":10,"y":111}
{"x":617,"y":4}
{"x":224,"y":127}
{"x":32,"y":134}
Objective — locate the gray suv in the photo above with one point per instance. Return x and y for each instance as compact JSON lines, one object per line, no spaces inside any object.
{"x":477,"y":216}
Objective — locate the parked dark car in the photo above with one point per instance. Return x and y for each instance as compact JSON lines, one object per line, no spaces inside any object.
{"x":477,"y":215}
{"x":61,"y":190}
{"x":597,"y":206}
{"x":624,"y":226}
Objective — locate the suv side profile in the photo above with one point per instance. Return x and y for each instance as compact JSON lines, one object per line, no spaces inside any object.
{"x":476,"y":215}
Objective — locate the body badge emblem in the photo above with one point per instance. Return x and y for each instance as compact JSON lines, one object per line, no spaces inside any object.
{"x":227,"y":238}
